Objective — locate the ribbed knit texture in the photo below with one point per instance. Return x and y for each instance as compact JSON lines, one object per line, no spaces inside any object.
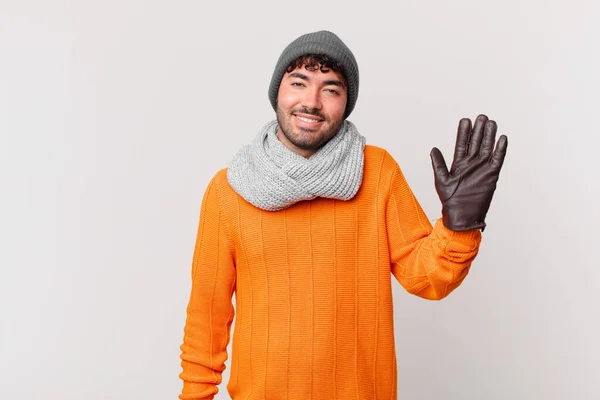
{"x":273,"y":177}
{"x":314,"y":310}
{"x":321,"y":42}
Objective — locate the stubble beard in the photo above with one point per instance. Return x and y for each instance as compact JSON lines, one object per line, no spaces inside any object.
{"x":306,"y":139}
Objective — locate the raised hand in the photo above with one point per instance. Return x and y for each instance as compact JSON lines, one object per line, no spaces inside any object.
{"x":466,"y":190}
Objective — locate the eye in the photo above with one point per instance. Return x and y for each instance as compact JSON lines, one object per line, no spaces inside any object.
{"x":332,"y":91}
{"x":297,"y":84}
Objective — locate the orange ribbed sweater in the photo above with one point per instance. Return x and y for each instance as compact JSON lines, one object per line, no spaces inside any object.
{"x":313,"y":289}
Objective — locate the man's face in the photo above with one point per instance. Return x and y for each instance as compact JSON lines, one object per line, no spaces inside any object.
{"x":310,"y":109}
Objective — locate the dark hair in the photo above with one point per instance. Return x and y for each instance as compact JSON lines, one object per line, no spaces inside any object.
{"x":313,"y":62}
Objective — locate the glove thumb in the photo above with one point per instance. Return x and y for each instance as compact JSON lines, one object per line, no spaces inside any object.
{"x":439,"y":164}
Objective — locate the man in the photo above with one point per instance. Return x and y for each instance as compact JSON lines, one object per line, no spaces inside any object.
{"x":306,"y":225}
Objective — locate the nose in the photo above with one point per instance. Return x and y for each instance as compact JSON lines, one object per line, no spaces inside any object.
{"x":312,"y":99}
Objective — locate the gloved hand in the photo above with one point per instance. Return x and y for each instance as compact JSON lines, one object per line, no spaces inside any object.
{"x":467,"y":190}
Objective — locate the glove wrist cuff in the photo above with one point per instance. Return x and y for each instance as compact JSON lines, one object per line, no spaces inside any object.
{"x":455,"y":224}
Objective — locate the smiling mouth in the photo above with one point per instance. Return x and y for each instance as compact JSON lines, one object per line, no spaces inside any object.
{"x":308,"y":119}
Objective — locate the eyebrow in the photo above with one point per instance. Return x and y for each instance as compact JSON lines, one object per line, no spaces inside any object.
{"x":298,"y":75}
{"x":335,"y":82}
{"x":329,"y":82}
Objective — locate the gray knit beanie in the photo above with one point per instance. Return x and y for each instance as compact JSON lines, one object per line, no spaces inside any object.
{"x":322,"y":42}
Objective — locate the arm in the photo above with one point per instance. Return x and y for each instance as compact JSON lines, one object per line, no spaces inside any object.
{"x":427,"y":261}
{"x":432,"y":262}
{"x":210,"y":311}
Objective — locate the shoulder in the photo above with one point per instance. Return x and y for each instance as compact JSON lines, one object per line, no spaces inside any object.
{"x":380,"y":159}
{"x":220,"y":176}
{"x":228,"y":197}
{"x":380,"y":168}
{"x":220,"y":183}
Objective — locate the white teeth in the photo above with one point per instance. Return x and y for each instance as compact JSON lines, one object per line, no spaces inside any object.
{"x":307,"y":119}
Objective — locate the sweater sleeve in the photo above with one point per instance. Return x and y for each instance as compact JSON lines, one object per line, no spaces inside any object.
{"x":210,"y":311}
{"x":427,"y":261}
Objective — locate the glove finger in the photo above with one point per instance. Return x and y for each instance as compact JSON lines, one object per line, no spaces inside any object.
{"x":439,"y":165}
{"x":500,"y":153}
{"x":489,"y":139}
{"x":477,"y":135}
{"x":462,"y":139}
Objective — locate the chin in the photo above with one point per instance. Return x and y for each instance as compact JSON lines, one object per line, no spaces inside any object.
{"x":303,"y":144}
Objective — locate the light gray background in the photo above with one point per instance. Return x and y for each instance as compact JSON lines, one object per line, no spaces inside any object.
{"x":114,"y":115}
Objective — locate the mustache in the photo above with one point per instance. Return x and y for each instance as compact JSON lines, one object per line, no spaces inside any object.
{"x":314,"y":112}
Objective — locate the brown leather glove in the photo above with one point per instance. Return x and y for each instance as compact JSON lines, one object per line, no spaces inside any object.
{"x":467,"y":190}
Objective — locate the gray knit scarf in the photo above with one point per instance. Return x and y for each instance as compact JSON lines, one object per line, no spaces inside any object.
{"x":272,"y":177}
